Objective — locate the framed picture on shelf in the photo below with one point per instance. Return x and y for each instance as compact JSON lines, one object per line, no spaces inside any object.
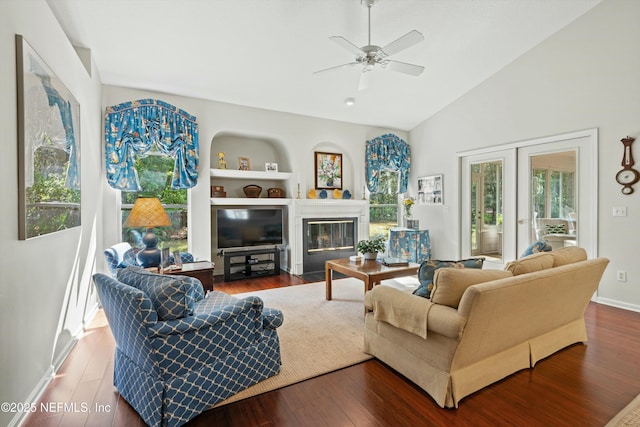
{"x":328,"y":170}
{"x":430,"y":190}
{"x":165,"y":258}
{"x":177,"y":260}
{"x":271,"y":167}
{"x":244,"y":164}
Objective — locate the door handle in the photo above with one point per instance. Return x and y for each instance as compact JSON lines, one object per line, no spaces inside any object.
{"x":523,"y":221}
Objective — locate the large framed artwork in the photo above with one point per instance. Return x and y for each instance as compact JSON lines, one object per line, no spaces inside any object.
{"x":48,"y":148}
{"x":430,"y":191}
{"x":328,"y":169}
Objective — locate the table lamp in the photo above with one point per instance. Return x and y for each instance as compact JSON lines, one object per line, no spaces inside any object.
{"x":148,"y":212}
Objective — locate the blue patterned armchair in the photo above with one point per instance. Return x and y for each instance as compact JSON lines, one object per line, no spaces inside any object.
{"x":179,"y":352}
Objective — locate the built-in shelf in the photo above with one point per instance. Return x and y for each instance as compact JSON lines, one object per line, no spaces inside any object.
{"x":238,"y":174}
{"x":248,"y":201}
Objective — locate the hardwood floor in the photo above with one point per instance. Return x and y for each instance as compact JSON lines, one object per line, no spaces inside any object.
{"x":582,"y":385}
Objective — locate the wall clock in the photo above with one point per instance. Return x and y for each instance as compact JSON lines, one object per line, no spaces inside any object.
{"x":628,"y":175}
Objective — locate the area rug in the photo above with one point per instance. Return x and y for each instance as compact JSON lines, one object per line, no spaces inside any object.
{"x":318,"y":336}
{"x":629,"y":416}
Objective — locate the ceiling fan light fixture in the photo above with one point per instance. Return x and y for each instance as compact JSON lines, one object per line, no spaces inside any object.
{"x":371,"y":56}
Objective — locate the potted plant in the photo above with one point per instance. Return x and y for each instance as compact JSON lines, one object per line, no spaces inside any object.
{"x":371,"y":248}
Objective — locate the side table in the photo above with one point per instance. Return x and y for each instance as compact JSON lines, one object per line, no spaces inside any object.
{"x":201,"y":270}
{"x":409,"y":244}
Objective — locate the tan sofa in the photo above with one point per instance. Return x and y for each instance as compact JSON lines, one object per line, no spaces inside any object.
{"x":482,"y":325}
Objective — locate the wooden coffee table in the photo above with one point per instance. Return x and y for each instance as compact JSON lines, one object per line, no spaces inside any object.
{"x":371,"y":272}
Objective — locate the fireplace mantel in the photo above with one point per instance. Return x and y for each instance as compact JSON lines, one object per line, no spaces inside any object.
{"x":322,"y":208}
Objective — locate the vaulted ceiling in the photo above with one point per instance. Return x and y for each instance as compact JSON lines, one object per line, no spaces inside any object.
{"x":263,"y":53}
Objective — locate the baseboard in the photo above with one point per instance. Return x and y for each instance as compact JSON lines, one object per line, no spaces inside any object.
{"x":618,"y":304}
{"x":34,"y":396}
{"x":42,"y":384}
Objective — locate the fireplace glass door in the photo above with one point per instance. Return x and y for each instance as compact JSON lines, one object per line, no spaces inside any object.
{"x":327,"y":238}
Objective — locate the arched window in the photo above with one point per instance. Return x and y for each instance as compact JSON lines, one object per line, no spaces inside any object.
{"x":387,"y":169}
{"x":152,"y":151}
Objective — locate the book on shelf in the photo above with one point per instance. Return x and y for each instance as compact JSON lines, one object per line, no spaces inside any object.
{"x":394,"y":262}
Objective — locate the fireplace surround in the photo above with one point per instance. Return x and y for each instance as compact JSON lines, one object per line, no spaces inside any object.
{"x":331,"y":213}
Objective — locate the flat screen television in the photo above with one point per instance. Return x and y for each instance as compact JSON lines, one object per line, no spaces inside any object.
{"x":239,"y":228}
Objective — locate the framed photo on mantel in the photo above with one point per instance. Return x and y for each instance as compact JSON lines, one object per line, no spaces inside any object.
{"x":430,"y":190}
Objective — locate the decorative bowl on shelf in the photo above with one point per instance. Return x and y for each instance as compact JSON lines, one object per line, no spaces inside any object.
{"x":252,"y":190}
{"x":346,"y":194}
{"x":275,"y":193}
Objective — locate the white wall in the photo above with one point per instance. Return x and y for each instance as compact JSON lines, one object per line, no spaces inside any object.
{"x":585,"y":76}
{"x":301,"y":135}
{"x":45,"y":282}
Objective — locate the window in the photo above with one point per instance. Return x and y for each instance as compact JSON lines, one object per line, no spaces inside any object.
{"x":384,"y":206}
{"x":553,"y":193}
{"x":155,"y":171}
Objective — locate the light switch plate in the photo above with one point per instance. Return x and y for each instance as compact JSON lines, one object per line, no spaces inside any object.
{"x":619,"y":211}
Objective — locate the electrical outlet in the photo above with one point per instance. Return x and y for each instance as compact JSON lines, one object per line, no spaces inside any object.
{"x":619,"y":211}
{"x":621,"y":276}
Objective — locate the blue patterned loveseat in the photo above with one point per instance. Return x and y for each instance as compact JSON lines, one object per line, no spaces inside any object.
{"x":179,"y":352}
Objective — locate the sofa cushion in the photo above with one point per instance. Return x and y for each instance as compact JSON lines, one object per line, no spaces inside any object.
{"x":172,"y":296}
{"x":531,"y":263}
{"x":568,"y":255}
{"x":536,"y":247}
{"x":450,"y":283}
{"x":428,"y":268}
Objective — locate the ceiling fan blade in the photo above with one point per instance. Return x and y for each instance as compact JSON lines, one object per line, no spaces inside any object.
{"x":364,"y":80}
{"x":403,"y":67}
{"x":337,"y":67}
{"x":347,"y":45}
{"x":404,"y":42}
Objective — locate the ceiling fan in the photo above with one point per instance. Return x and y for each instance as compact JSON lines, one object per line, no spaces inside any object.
{"x":370,"y":56}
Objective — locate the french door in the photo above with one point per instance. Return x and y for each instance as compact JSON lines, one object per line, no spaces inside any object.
{"x":558,"y":180}
{"x":506,"y":189}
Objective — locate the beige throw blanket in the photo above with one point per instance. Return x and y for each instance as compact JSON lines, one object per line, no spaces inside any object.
{"x":400,"y":309}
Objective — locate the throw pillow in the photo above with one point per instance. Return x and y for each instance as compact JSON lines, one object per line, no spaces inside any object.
{"x":556,"y":229}
{"x":449,"y":284}
{"x":172,"y":296}
{"x":535,"y":262}
{"x":535,"y":247}
{"x":428,"y":268}
{"x":129,"y":258}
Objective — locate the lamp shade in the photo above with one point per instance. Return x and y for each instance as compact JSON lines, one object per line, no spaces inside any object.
{"x":147,"y":212}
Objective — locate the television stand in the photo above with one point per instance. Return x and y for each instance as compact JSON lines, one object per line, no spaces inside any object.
{"x":242,"y":265}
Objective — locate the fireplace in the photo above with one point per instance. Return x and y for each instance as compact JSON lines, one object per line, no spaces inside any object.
{"x":301,"y":211}
{"x":325,"y":239}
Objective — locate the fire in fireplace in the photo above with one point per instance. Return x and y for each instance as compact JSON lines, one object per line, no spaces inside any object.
{"x":327,"y":238}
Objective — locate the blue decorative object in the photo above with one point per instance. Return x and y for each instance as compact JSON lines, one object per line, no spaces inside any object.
{"x":346,"y":194}
{"x":171,"y":371}
{"x":323,"y":194}
{"x":387,"y":152}
{"x":535,"y":247}
{"x":132,"y":128}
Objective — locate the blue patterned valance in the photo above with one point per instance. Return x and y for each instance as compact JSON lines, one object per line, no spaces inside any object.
{"x":387,"y":152}
{"x":132,"y":128}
